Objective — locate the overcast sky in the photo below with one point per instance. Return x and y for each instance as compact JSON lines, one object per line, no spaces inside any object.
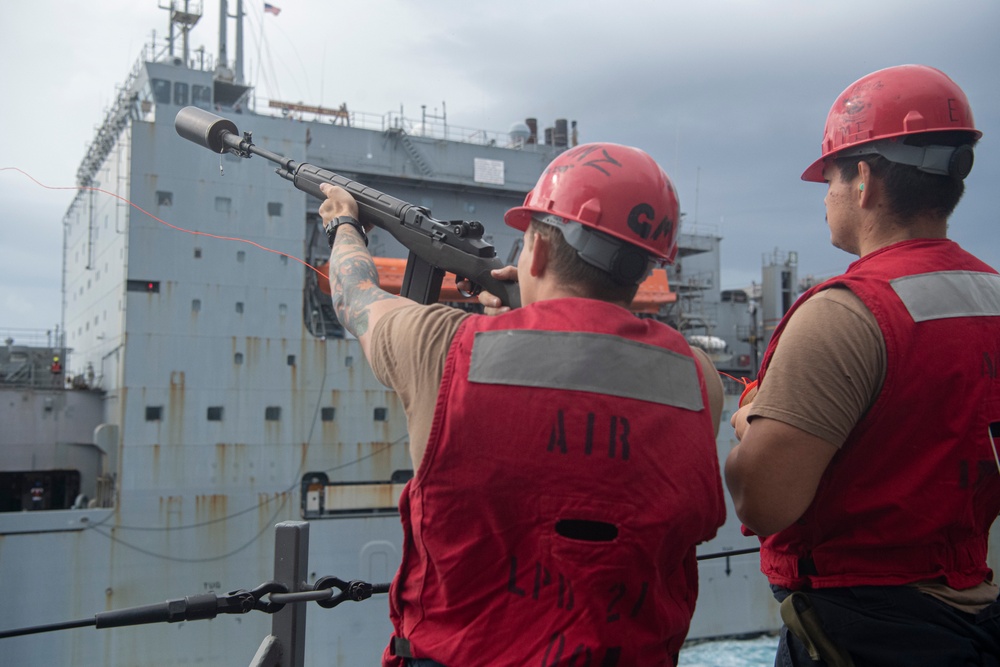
{"x":730,"y":96}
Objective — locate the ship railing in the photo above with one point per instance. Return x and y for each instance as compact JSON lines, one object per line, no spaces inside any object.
{"x":285,"y":596}
{"x":701,"y":229}
{"x":430,"y":127}
{"x":32,"y":337}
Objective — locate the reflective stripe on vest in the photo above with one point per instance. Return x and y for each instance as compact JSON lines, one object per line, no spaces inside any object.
{"x":944,"y":294}
{"x":616,"y":366}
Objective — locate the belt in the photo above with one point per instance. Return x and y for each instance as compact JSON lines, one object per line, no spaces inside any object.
{"x":401,"y":647}
{"x":802,"y":620}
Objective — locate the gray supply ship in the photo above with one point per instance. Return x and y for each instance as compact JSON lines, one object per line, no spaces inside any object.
{"x":200,"y":389}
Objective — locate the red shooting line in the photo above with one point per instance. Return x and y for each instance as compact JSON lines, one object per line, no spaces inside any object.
{"x":161,"y":221}
{"x":743,"y":381}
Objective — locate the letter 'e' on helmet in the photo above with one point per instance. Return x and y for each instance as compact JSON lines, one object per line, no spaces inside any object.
{"x":614,"y":189}
{"x":891,"y":104}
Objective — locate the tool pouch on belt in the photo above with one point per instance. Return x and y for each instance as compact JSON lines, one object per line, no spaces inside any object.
{"x":802,"y":620}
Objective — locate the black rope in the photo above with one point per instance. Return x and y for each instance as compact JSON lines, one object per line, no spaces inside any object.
{"x":48,"y":628}
{"x":726,"y":554}
{"x":270,"y":597}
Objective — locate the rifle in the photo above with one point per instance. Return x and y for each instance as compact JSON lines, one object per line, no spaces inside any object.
{"x":435,"y":246}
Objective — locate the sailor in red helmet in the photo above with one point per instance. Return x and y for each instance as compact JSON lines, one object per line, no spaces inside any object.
{"x":867,"y":460}
{"x":564,"y":452}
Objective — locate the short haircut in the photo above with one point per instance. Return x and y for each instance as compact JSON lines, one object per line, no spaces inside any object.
{"x":586,"y":280}
{"x":909,"y":191}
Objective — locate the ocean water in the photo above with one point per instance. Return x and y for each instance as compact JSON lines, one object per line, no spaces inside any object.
{"x":757,"y":652}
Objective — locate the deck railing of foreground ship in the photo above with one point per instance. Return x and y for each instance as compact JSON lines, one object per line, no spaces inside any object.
{"x":285,"y":646}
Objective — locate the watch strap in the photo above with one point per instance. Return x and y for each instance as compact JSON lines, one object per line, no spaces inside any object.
{"x":331,"y":229}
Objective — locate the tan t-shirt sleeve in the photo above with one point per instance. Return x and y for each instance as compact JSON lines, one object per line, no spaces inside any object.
{"x":828,"y":367}
{"x":408,"y":351}
{"x":713,"y":386}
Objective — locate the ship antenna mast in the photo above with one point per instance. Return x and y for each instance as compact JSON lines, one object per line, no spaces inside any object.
{"x":184,"y":19}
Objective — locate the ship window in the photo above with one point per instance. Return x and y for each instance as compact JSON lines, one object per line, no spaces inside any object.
{"x":40,"y":490}
{"x":274,"y":208}
{"x":291,"y":360}
{"x":154,"y":413}
{"x":215,"y":413}
{"x":201,"y":96}
{"x":196,"y":305}
{"x":161,"y":91}
{"x":327,"y":414}
{"x":282,"y":309}
{"x":734,"y":296}
{"x":223,"y":204}
{"x":164,"y":198}
{"x":180,"y":93}
{"x":272,"y":413}
{"x":148,"y":286}
{"x":241,"y":255}
{"x":238,"y":358}
{"x":197,"y":253}
{"x":239,"y":307}
{"x":381,"y":414}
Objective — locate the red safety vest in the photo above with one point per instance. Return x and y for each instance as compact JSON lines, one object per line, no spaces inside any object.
{"x":913,"y":491}
{"x":571,"y":470}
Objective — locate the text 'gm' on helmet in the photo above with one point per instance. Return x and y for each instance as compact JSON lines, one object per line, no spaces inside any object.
{"x":618,"y":190}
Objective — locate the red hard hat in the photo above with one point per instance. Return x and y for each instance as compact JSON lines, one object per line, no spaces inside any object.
{"x":614,"y":189}
{"x":890,"y":103}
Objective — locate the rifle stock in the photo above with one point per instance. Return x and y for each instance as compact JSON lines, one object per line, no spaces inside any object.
{"x":435,"y":246}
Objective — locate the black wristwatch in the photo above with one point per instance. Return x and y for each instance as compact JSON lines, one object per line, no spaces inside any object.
{"x":331,"y":228}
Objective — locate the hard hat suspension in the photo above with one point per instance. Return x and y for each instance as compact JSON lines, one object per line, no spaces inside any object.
{"x":953,"y":161}
{"x":627,"y":264}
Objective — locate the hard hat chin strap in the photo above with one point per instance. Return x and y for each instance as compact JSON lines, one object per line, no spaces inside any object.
{"x":626,"y":263}
{"x":953,"y":161}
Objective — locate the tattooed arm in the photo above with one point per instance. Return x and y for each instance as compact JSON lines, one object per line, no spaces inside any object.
{"x":357,"y":298}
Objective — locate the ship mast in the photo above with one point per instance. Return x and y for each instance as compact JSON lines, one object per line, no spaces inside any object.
{"x":222,"y":70}
{"x":184,"y":20}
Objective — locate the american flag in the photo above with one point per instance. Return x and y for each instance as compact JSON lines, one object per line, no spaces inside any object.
{"x":268,"y":7}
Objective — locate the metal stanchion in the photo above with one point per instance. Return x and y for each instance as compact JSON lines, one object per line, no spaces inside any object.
{"x":285,"y":646}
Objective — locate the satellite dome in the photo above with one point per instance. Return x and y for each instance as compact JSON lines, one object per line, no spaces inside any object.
{"x":519,"y":132}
